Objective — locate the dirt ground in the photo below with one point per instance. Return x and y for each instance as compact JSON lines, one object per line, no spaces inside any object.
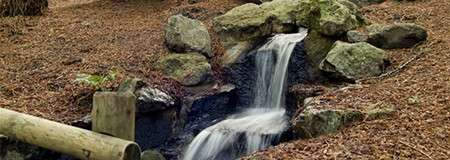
{"x":40,"y":56}
{"x":420,"y":92}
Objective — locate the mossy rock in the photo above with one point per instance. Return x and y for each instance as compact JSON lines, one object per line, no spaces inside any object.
{"x":184,"y":34}
{"x":314,"y":122}
{"x":189,"y":69}
{"x":354,"y":61}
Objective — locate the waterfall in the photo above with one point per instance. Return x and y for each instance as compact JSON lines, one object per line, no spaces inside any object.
{"x":262,"y":123}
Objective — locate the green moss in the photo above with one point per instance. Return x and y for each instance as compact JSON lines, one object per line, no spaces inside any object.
{"x":95,"y":80}
{"x":188,"y":69}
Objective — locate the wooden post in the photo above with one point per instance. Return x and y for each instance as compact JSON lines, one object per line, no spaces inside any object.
{"x":113,"y":114}
{"x":66,"y":139}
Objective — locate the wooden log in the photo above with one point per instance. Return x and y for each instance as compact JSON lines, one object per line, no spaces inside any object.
{"x":77,"y":142}
{"x":113,"y":114}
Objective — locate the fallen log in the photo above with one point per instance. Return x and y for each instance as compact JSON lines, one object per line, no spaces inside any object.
{"x":66,"y":139}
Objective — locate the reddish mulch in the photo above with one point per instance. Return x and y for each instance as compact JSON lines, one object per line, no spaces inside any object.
{"x":420,"y":128}
{"x":40,"y":56}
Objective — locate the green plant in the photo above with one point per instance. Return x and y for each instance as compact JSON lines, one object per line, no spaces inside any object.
{"x":95,"y":80}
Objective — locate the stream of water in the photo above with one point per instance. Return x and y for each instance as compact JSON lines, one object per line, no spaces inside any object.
{"x":262,"y":123}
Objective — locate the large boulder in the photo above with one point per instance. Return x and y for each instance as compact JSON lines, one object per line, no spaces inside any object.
{"x":400,"y":35}
{"x":244,"y":27}
{"x":188,"y":35}
{"x":354,"y":61}
{"x":189,"y":69}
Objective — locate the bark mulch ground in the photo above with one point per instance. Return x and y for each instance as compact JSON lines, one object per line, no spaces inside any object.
{"x":40,"y":56}
{"x":420,"y":92}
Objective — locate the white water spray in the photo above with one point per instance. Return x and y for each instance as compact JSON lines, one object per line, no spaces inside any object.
{"x":260,"y":125}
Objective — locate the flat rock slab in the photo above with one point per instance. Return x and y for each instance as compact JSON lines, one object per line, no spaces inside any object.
{"x":400,"y":35}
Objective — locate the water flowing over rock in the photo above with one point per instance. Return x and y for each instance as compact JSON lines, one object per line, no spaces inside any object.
{"x":354,"y":61}
{"x":262,"y":123}
{"x":245,"y":26}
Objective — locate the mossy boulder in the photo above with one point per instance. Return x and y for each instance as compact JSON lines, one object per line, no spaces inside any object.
{"x":189,"y":69}
{"x":354,"y":61}
{"x":319,"y":119}
{"x":314,"y":122}
{"x":337,"y":17}
{"x":184,"y":34}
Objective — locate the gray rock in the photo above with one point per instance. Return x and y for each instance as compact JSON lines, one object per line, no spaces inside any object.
{"x":152,"y":155}
{"x":189,"y":69}
{"x":400,"y":35}
{"x":317,"y":47}
{"x":151,"y":99}
{"x":188,"y":35}
{"x":354,"y":61}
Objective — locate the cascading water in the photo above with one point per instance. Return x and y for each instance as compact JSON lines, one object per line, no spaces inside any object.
{"x":262,"y":123}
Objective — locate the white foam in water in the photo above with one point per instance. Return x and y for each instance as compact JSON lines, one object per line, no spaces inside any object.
{"x":260,"y":125}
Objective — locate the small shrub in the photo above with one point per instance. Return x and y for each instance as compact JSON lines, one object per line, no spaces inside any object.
{"x":22,"y":7}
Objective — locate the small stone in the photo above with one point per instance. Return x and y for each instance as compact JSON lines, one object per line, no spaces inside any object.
{"x":72,"y":60}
